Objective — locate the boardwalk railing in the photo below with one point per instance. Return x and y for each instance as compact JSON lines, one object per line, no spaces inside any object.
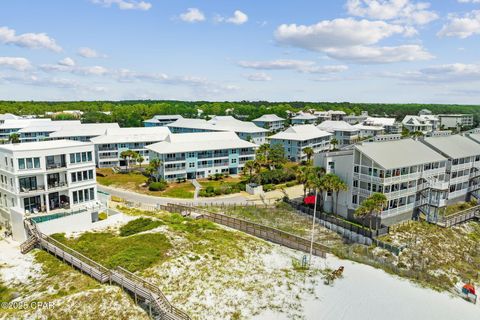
{"x":257,"y":230}
{"x":364,"y":231}
{"x":460,"y":217}
{"x":151,"y":294}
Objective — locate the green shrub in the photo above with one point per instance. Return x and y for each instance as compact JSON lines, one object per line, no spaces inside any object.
{"x":102,"y":216}
{"x":276,"y":176}
{"x":291,"y":184}
{"x":138,"y":225}
{"x":268,"y":187}
{"x":158,"y":186}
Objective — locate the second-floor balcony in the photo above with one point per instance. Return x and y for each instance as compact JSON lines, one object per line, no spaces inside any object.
{"x":55,"y":162}
{"x":57,"y":185}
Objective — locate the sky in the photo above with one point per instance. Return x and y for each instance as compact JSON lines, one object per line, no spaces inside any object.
{"x":391,"y":51}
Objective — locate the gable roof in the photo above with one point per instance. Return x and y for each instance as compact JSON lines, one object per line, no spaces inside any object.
{"x":331,"y":126}
{"x":199,"y":141}
{"x":301,"y":133}
{"x":399,"y":153}
{"x":454,"y":146}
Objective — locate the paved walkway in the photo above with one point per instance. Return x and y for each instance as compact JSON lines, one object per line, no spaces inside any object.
{"x":239,"y":199}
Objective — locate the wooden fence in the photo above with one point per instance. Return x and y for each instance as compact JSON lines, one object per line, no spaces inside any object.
{"x":361,"y":230}
{"x":257,"y":230}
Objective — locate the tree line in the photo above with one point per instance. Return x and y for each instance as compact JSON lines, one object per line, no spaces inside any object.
{"x":132,"y":113}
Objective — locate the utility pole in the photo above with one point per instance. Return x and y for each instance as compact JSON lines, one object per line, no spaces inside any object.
{"x":313,"y":226}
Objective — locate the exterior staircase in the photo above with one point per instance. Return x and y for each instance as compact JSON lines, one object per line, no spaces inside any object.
{"x":145,"y":293}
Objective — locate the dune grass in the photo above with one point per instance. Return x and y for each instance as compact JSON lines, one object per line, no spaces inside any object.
{"x":138,"y":225}
{"x":133,"y":253}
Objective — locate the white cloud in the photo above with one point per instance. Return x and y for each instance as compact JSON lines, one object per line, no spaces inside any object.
{"x":69,"y":62}
{"x":367,"y":55}
{"x":469,"y":1}
{"x":303,"y":66}
{"x":79,"y":70}
{"x":352,"y":40}
{"x":404,"y":11}
{"x":192,"y":15}
{"x":461,"y":26}
{"x":28,"y":40}
{"x":90,"y":53}
{"x":125,"y":4}
{"x":238,"y":18}
{"x":259,"y":76}
{"x":455,"y":72}
{"x":16,"y":63}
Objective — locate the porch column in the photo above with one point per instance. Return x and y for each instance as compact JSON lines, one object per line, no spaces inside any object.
{"x":47,"y":203}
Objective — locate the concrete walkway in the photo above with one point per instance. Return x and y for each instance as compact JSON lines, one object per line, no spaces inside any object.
{"x":238,"y":199}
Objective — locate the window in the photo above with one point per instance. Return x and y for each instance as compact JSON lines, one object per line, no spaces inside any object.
{"x":234,"y":160}
{"x":354,"y":199}
{"x":191,"y":165}
{"x":29,"y":163}
{"x":90,"y":174}
{"x":84,"y":157}
{"x":72,"y":157}
{"x":36,"y":162}
{"x":74,"y":177}
{"x":89,"y":155}
{"x":21,"y":164}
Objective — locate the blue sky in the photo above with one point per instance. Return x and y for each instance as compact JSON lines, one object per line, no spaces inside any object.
{"x":345,"y":50}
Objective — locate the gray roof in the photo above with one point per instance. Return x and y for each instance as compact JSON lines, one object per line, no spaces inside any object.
{"x":199,"y":141}
{"x":455,"y":146}
{"x":399,"y":153}
{"x":269,"y":118}
{"x":132,"y":135}
{"x":301,"y":133}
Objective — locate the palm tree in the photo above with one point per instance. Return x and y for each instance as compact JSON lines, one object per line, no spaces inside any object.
{"x":334,"y":143}
{"x":14,"y":138}
{"x":140,"y":160}
{"x":374,"y":204}
{"x":251,"y":166}
{"x":153,"y":168}
{"x":309,"y":153}
{"x":125,"y":155}
{"x":262,"y":154}
{"x":303,"y":175}
{"x":332,"y":183}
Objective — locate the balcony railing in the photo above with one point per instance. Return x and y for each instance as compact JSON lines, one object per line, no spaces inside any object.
{"x":58,"y":165}
{"x":31,"y":189}
{"x":57,"y":185}
{"x":175,"y":159}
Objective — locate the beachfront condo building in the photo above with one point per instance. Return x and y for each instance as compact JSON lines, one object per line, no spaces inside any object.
{"x":200,"y":155}
{"x":296,"y":138}
{"x":41,"y":178}
{"x":109,"y":146}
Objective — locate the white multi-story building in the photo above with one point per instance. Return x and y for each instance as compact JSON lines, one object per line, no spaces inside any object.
{"x":390,"y":125}
{"x":84,"y":132}
{"x":368,"y":131}
{"x":41,"y":178}
{"x":390,"y":168}
{"x":422,"y":123}
{"x":41,"y":132}
{"x":245,"y":130}
{"x":345,"y":133}
{"x":419,"y":177}
{"x":161,"y":120}
{"x":271,"y":122}
{"x":296,"y":138}
{"x":304,"y":118}
{"x":199,"y":155}
{"x":455,"y":121}
{"x":109,"y":147}
{"x":10,"y":126}
{"x":463,"y":164}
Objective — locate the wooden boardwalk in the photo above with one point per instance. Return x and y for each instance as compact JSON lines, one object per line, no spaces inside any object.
{"x":144,"y":292}
{"x":460,"y":217}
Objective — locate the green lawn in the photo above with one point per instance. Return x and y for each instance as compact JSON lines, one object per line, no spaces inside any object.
{"x":135,"y":180}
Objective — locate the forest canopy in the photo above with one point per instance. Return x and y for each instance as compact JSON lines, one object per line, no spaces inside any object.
{"x":132,"y":113}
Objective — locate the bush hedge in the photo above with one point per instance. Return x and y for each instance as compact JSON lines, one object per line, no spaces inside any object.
{"x":157,"y":186}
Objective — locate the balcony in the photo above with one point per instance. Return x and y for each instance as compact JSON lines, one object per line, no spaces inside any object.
{"x":24,"y":190}
{"x":246,"y":153}
{"x":107,"y":149}
{"x":175,"y":159}
{"x":57,"y":185}
{"x":58,"y":165}
{"x":221,"y":164}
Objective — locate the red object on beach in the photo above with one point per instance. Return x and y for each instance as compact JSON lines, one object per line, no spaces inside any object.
{"x":309,"y":200}
{"x":470,"y":288}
